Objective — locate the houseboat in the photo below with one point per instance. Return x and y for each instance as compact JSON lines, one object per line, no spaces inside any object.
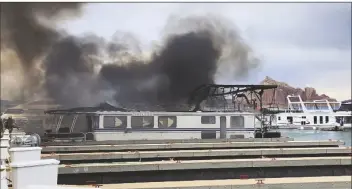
{"x":344,"y":115}
{"x":319,"y":114}
{"x":107,"y":122}
{"x":118,"y":125}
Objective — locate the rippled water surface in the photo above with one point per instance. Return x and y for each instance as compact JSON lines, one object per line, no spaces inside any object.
{"x":304,"y":135}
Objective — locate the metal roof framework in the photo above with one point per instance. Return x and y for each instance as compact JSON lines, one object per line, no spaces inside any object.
{"x":246,"y":92}
{"x":87,"y":110}
{"x":203,"y":92}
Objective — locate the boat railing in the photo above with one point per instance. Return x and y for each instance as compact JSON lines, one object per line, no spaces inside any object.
{"x":80,"y":136}
{"x":316,"y":105}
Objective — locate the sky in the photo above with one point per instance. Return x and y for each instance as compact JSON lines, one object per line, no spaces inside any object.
{"x":302,"y":44}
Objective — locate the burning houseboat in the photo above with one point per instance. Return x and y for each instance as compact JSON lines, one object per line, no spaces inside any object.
{"x":235,"y":116}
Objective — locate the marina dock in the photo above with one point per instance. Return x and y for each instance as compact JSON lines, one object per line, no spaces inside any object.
{"x":188,"y":154}
{"x":205,"y":161}
{"x":178,"y":146}
{"x":203,"y":164}
{"x":169,"y":141}
{"x":337,"y":182}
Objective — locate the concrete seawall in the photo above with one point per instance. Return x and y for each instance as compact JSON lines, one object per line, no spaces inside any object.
{"x":177,"y":146}
{"x":198,"y":153}
{"x":202,"y":164}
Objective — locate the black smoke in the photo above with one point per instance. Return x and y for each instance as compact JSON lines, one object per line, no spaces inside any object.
{"x":85,"y":71}
{"x":22,"y":32}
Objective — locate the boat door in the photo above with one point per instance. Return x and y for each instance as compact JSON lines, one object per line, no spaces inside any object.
{"x":222,"y":127}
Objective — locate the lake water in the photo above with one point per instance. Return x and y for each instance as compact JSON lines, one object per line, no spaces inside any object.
{"x":304,"y":135}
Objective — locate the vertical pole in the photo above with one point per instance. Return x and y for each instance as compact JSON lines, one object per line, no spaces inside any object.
{"x":223,"y":128}
{"x":261,"y":111}
{"x":4,"y":155}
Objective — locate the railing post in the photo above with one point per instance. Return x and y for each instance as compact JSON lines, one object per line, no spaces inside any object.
{"x":4,"y":155}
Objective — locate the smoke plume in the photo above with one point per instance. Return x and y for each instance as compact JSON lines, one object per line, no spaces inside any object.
{"x":86,"y":70}
{"x":22,"y":32}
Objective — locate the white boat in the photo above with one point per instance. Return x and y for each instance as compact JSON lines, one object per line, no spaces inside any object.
{"x":171,"y":125}
{"x":344,"y":115}
{"x":319,"y":114}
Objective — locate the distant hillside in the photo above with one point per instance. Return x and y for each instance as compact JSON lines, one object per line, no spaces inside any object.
{"x":307,"y":93}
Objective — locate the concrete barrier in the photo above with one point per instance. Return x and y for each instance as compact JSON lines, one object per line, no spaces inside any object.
{"x":4,"y":155}
{"x":196,"y":153}
{"x":50,"y":149}
{"x":335,"y":182}
{"x":4,"y":146}
{"x":33,"y":170}
{"x":202,"y":164}
{"x":25,"y":154}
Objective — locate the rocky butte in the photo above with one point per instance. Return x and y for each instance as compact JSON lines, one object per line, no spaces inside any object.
{"x":283,"y":89}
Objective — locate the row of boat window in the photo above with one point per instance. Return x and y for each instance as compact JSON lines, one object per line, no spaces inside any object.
{"x":321,"y":119}
{"x":163,"y":121}
{"x":315,"y":119}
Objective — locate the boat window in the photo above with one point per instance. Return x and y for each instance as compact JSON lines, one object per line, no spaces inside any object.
{"x":95,"y":121}
{"x":303,"y":117}
{"x":279,"y":118}
{"x":237,"y":122}
{"x":14,"y":111}
{"x":142,"y":122}
{"x":51,"y":121}
{"x":315,"y":120}
{"x":118,"y":122}
{"x":321,"y":120}
{"x":167,"y":122}
{"x":326,"y":119}
{"x":67,"y":120}
{"x":35,"y":111}
{"x":208,"y":120}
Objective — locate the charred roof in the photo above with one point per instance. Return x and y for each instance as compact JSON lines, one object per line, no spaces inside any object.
{"x":101,"y":107}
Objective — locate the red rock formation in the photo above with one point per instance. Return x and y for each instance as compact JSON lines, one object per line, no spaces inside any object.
{"x":283,"y":89}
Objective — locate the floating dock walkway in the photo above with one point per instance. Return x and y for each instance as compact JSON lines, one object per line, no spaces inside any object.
{"x":198,"y":154}
{"x":203,"y":164}
{"x":283,"y":139}
{"x":338,"y":182}
{"x":207,"y":161}
{"x":179,"y":146}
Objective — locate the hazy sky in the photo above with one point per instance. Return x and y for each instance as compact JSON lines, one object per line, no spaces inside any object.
{"x":303,"y":44}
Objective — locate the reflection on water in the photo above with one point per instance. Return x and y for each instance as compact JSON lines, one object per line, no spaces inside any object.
{"x":304,"y":135}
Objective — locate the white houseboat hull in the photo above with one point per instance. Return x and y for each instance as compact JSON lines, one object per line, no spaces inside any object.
{"x":181,"y":125}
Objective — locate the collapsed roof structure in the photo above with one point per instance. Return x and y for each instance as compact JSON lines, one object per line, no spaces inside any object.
{"x":227,"y":95}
